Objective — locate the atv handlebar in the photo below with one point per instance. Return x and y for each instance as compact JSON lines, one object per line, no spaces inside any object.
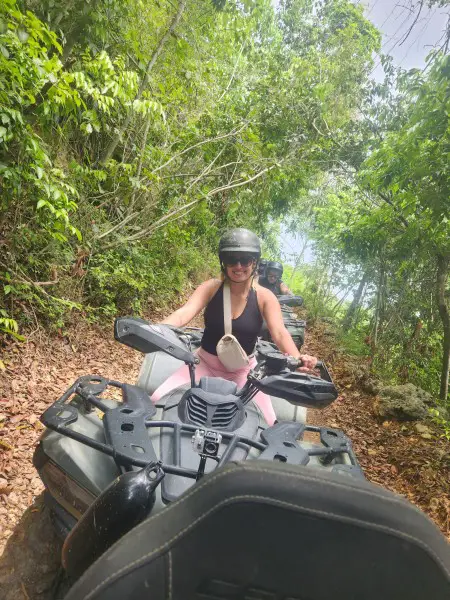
{"x":273,"y":374}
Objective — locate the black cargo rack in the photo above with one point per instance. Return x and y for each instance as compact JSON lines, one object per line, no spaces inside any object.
{"x":128,"y":442}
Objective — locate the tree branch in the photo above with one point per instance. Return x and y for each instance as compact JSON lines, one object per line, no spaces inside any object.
{"x":29,"y":282}
{"x":232,"y":75}
{"x":108,"y":152}
{"x":216,"y":139}
{"x":413,"y":24}
{"x":182,"y":210}
{"x":386,"y":198}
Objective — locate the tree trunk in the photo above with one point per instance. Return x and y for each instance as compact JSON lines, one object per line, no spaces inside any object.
{"x":141,"y":161}
{"x":378,"y":312}
{"x":108,"y":152}
{"x":348,"y":319}
{"x":442,"y":278}
{"x":298,"y":259}
{"x":341,"y":300}
{"x":414,"y":336}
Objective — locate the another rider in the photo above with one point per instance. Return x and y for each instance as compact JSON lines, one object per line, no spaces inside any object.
{"x":261,"y":272}
{"x":239,"y":253}
{"x":272,"y":280}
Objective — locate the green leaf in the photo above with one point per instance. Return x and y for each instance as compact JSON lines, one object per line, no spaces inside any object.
{"x":22,"y":35}
{"x":15,"y":335}
{"x":41,"y":203}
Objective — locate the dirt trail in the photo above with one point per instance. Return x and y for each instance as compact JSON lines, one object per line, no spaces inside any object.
{"x":391,"y":454}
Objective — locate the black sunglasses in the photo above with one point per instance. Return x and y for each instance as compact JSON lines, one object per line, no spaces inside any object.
{"x":244,"y":261}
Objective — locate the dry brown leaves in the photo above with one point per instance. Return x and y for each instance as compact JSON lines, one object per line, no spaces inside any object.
{"x":392,"y":454}
{"x":35,"y":376}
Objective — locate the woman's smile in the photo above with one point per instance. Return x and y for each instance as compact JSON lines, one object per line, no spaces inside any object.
{"x":238,"y":272}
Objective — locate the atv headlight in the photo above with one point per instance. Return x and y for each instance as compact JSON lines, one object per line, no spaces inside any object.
{"x":67,"y":492}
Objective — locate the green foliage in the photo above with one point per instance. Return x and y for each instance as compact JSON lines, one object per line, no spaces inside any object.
{"x":442,"y":421}
{"x":8,"y":325}
{"x":125,"y":150}
{"x":135,"y":277}
{"x":388,"y":220}
{"x":27,"y":171}
{"x":306,"y":281}
{"x":353,"y":343}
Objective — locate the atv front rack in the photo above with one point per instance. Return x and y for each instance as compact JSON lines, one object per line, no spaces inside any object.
{"x":127,"y":440}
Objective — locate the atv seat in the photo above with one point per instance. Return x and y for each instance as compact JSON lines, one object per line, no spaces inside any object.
{"x":271,"y":531}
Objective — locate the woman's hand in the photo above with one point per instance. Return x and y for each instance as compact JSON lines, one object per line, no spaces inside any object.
{"x":309,"y":362}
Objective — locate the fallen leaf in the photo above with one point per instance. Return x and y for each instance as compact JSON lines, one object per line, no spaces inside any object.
{"x":25,"y":593}
{"x":16,"y":418}
{"x":421,"y":428}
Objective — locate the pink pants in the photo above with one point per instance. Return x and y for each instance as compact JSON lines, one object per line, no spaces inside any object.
{"x":210,"y":366}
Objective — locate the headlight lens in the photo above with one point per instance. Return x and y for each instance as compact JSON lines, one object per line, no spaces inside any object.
{"x":74,"y":498}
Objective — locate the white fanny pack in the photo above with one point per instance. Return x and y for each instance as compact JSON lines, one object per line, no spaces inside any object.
{"x":229,"y":351}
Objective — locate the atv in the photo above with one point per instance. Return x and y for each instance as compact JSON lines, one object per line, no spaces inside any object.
{"x":110,"y":458}
{"x":267,"y":530}
{"x":295,"y":326}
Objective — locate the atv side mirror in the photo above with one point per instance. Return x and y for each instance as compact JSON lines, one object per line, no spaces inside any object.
{"x":290,"y":300}
{"x":143,"y":336}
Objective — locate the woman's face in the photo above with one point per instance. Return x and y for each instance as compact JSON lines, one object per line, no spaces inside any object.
{"x":239,"y":266}
{"x":272,"y":276}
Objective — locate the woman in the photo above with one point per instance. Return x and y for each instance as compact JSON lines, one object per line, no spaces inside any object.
{"x":239,"y":252}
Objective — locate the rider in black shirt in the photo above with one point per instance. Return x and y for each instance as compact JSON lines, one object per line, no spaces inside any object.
{"x":272,"y":279}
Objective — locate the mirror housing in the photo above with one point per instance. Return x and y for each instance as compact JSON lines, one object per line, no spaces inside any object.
{"x":141,"y":335}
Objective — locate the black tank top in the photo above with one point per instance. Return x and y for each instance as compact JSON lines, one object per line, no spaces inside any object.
{"x":273,"y":287}
{"x":245,"y":328}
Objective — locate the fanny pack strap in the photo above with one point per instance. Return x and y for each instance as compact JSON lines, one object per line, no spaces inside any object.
{"x":227,"y":309}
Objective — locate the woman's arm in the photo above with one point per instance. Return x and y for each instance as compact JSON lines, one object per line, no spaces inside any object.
{"x":196,"y":303}
{"x":285,"y":290}
{"x":271,"y":312}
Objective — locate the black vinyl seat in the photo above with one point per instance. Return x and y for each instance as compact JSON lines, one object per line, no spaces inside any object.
{"x":268,"y":531}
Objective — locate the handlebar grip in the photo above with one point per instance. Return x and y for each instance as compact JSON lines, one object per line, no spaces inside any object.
{"x":295,"y":363}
